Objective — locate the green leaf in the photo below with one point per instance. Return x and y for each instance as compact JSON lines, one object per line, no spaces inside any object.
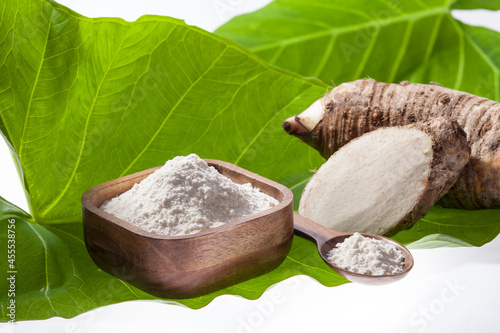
{"x":392,"y":40}
{"x":56,"y":276}
{"x":476,"y":227}
{"x":477,"y":4}
{"x":83,"y":101}
{"x":437,"y":240}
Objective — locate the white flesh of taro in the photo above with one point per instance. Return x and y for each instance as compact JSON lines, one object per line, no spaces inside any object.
{"x":372,"y":183}
{"x":312,"y":115}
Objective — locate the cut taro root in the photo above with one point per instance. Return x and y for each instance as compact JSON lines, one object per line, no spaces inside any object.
{"x":353,"y":108}
{"x":386,"y":180}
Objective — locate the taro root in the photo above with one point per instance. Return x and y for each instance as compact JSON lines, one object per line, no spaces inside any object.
{"x":354,"y":108}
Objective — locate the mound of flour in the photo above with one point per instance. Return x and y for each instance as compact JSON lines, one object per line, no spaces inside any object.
{"x":366,"y":255}
{"x":184,"y":197}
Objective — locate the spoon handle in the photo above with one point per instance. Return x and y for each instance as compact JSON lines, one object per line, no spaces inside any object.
{"x":309,"y":229}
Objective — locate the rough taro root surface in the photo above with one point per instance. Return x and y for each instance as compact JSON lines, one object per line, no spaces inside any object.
{"x":354,"y":108}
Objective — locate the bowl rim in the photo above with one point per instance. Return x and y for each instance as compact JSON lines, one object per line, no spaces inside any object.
{"x":110,"y":218}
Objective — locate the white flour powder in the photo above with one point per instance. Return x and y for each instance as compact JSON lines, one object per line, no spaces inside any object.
{"x":367,"y":256}
{"x":184,"y":197}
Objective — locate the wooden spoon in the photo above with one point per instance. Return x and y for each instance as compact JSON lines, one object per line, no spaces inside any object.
{"x":326,"y":239}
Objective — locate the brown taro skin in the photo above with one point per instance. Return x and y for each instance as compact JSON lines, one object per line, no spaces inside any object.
{"x":354,"y":108}
{"x":450,"y":154}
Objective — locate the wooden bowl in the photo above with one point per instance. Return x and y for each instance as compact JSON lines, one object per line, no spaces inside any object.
{"x":192,"y":265}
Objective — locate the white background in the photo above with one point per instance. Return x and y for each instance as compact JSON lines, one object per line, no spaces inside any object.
{"x":449,"y":289}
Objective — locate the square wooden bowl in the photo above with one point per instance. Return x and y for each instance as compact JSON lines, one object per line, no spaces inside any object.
{"x":192,"y":265}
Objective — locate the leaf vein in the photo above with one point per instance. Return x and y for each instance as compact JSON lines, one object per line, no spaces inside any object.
{"x":34,"y":86}
{"x":45,"y":250}
{"x":51,"y":205}
{"x":172,"y":110}
{"x":410,"y":17}
{"x":402,"y":52}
